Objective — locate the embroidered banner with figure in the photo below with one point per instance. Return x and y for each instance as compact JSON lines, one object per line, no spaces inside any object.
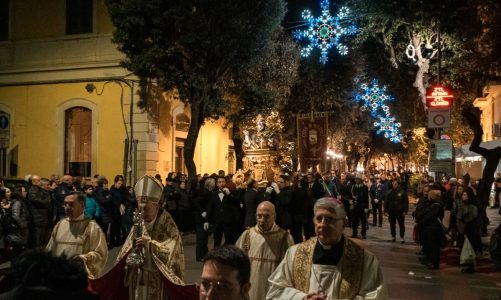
{"x":312,"y":140}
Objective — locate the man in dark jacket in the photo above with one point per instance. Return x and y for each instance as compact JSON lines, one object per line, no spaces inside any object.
{"x":222,"y":211}
{"x":284,"y":200}
{"x":118,"y":200}
{"x":397,"y":205}
{"x":202,"y":200}
{"x":252,"y":198}
{"x":345,"y":190}
{"x":103,"y":198}
{"x":377,"y":193}
{"x":314,"y":191}
{"x":61,"y":192}
{"x":171,"y":199}
{"x":39,"y":204}
{"x":359,"y":207}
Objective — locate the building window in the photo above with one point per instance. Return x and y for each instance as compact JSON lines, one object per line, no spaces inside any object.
{"x":78,"y":141}
{"x":4,"y":19}
{"x":231,"y":160}
{"x":182,"y":123}
{"x":79,"y":16}
{"x":179,"y":159}
{"x":4,"y":142}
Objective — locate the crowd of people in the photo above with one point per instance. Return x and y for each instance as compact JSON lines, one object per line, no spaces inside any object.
{"x":294,"y":218}
{"x":31,"y":209}
{"x":450,"y":211}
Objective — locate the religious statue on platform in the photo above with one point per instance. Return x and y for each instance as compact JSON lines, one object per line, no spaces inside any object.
{"x":261,"y":137}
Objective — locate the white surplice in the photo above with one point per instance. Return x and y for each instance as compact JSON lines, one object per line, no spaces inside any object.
{"x":83,"y":238}
{"x":265,"y":251}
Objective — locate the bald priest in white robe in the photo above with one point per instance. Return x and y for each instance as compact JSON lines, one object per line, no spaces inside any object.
{"x":328,"y":266}
{"x":78,"y":237}
{"x":265,"y":244}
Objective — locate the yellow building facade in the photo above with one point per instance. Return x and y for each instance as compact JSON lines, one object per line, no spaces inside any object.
{"x":490,"y":119}
{"x":65,"y":102}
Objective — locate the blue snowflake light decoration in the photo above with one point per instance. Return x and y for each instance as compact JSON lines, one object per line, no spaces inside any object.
{"x":325,"y":31}
{"x":374,"y":97}
{"x":389,"y":128}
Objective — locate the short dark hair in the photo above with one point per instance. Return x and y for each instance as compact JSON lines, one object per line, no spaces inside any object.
{"x":118,"y":178}
{"x":38,"y":274}
{"x":250,"y":184}
{"x":80,"y":196}
{"x":233,"y":257}
{"x":102,"y":181}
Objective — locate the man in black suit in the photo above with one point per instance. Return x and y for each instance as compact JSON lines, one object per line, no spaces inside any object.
{"x":222,"y":212}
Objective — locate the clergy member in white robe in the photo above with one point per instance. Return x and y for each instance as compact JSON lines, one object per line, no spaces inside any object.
{"x":265,"y":244}
{"x":328,"y":266}
{"x":79,"y":237}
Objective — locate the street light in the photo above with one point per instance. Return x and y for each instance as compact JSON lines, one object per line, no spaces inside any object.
{"x":333,"y":155}
{"x":130,"y":144}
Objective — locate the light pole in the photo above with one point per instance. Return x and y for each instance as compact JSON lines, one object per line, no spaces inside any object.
{"x":130,"y":147}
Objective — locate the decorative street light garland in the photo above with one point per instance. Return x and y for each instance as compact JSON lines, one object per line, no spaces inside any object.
{"x":374,"y":97}
{"x":325,"y":31}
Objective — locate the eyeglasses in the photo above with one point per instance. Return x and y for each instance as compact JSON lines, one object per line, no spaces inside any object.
{"x":217,"y":287}
{"x":326,"y":219}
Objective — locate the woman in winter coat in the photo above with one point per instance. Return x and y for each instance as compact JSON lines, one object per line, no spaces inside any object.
{"x":431,"y":223}
{"x":467,"y":225}
{"x":184,"y":208}
{"x":18,"y":233}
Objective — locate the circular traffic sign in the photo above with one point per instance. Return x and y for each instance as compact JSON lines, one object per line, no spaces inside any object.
{"x":439,"y":119}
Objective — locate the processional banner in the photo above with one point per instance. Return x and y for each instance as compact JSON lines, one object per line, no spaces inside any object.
{"x":312,"y":140}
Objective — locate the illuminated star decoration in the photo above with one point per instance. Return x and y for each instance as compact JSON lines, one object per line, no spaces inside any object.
{"x":374,"y":98}
{"x":325,"y":31}
{"x":389,"y":128}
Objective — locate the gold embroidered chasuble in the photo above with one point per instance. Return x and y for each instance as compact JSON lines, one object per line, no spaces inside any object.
{"x":81,"y":237}
{"x":265,"y":250}
{"x":351,"y":266}
{"x":357,"y":275}
{"x":164,"y":255}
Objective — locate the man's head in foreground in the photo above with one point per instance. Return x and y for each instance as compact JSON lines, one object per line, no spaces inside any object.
{"x":225,"y":274}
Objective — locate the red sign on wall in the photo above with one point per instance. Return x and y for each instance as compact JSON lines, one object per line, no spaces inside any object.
{"x":438,"y":97}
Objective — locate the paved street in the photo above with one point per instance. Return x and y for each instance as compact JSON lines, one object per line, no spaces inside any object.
{"x":405,"y":276}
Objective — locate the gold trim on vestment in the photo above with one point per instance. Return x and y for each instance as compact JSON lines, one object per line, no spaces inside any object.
{"x":71,"y":243}
{"x":265,"y":259}
{"x":351,"y":268}
{"x":301,"y":265}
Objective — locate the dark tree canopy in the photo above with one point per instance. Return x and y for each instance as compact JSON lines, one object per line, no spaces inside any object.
{"x":199,"y":48}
